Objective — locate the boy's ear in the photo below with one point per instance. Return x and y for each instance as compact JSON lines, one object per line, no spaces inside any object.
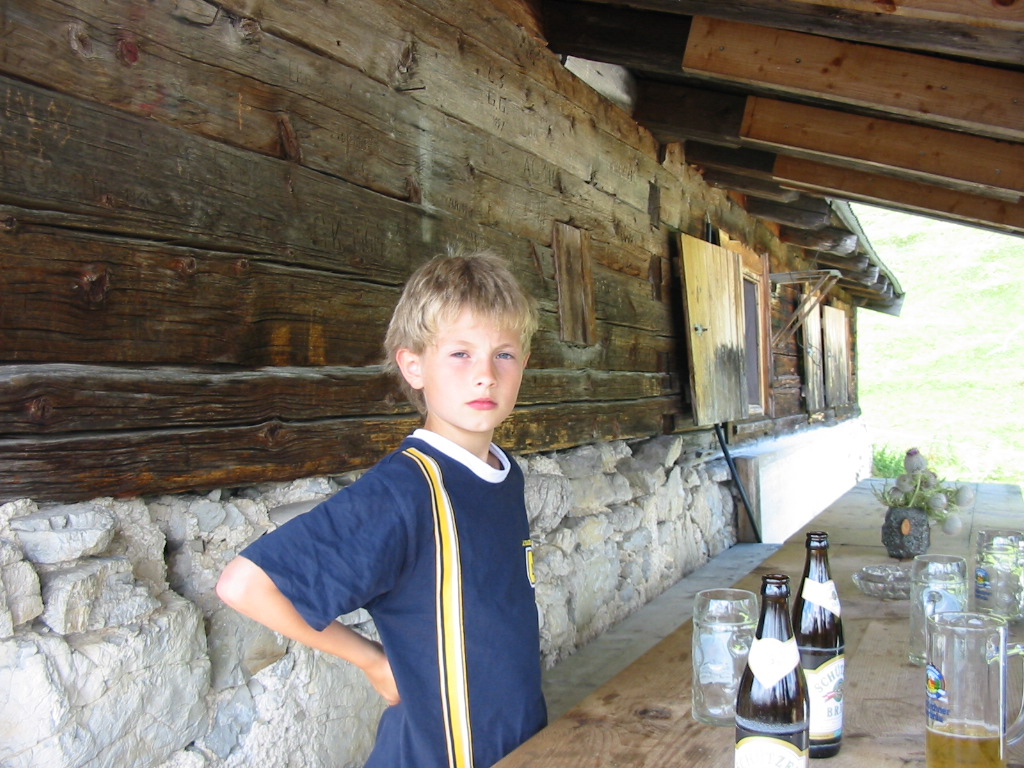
{"x":411,"y":367}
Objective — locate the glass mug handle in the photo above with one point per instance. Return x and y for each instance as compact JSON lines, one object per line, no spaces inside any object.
{"x":1015,"y":732}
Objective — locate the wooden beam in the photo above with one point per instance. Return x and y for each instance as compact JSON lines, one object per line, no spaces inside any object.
{"x":677,"y":113}
{"x":1002,"y":15}
{"x":749,"y":162}
{"x":891,"y":192}
{"x":149,"y":461}
{"x":974,"y":36}
{"x":71,"y":399}
{"x":834,"y":240}
{"x":804,"y":213}
{"x":847,"y":264}
{"x":749,"y":185}
{"x":626,"y":36}
{"x":941,"y":92}
{"x":975,"y":164}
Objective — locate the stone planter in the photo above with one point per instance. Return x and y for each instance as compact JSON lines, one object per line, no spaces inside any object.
{"x":906,"y":532}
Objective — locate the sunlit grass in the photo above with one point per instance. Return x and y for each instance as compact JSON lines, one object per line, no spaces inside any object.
{"x":947,"y":376}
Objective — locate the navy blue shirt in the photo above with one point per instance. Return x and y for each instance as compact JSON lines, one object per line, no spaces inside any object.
{"x":442,"y":560}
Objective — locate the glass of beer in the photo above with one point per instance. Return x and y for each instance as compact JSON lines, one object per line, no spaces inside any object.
{"x":965,"y":691}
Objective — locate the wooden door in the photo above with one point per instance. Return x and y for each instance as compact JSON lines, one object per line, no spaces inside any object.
{"x":713,"y":301}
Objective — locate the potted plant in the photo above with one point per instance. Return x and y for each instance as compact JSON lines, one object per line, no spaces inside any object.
{"x":915,"y":501}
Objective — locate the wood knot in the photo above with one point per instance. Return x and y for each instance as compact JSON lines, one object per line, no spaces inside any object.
{"x":184,"y":265}
{"x":79,"y":40}
{"x":654,"y":713}
{"x":288,"y":139}
{"x":10,"y":225}
{"x":127,"y":51}
{"x":249,"y":31}
{"x":39,"y":409}
{"x":92,"y":285}
{"x":271,"y":433}
{"x":413,"y":192}
{"x":241,"y":266}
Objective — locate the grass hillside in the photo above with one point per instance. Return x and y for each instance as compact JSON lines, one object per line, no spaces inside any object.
{"x":947,"y":375}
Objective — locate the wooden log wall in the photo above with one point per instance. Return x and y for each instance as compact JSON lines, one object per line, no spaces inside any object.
{"x":207,"y":210}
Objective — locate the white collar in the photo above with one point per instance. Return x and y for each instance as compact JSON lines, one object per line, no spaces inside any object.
{"x":474,"y":463}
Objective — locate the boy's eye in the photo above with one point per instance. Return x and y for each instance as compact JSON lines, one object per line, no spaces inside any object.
{"x":506,"y":356}
{"x":460,"y":354}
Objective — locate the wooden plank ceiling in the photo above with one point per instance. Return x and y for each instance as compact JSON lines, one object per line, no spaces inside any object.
{"x":804,"y":105}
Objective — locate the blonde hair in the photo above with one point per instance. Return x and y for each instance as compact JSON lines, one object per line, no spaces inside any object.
{"x":440,"y":290}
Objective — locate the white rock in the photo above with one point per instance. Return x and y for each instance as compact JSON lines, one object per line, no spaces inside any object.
{"x":664,"y":450}
{"x":140,"y":539}
{"x":17,"y":508}
{"x":63,"y":533}
{"x":92,"y":594}
{"x":585,"y":461}
{"x":549,"y":498}
{"x":599,"y":492}
{"x":121,"y":697}
{"x":239,"y":648}
{"x":19,"y":584}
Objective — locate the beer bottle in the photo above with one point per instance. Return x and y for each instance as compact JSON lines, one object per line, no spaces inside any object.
{"x":771,"y":701}
{"x":819,"y":635}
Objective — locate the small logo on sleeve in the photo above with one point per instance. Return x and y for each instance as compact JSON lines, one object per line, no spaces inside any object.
{"x":528,"y":549}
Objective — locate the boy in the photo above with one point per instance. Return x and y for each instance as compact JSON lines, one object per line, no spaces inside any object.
{"x":433,"y":541}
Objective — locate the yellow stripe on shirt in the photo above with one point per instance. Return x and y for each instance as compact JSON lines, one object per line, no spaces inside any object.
{"x":451,"y":642}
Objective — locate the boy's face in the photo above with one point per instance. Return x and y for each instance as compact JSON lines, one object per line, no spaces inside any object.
{"x":470,"y":378}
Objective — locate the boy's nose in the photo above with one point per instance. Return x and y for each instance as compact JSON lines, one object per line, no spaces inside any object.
{"x":485,"y":373}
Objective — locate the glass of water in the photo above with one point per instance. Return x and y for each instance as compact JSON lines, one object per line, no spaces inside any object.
{"x":999,"y":574}
{"x":724,"y":621}
{"x":938,"y":584}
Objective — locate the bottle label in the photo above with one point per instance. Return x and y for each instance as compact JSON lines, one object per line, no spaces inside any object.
{"x":825,"y":688}
{"x":824,"y":595}
{"x":761,"y":751}
{"x":771,"y":660}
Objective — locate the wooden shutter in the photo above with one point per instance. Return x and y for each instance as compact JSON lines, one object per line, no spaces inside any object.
{"x":713,"y":301}
{"x":576,"y":311}
{"x":814,"y":364}
{"x":837,"y":361}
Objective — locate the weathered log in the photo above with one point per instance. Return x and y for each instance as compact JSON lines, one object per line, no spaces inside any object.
{"x":749,"y":185}
{"x":804,"y":213}
{"x":834,"y":240}
{"x":165,"y":461}
{"x":54,"y":399}
{"x":83,"y":299}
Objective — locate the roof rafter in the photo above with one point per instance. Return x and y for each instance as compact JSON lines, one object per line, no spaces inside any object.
{"x":925,"y":89}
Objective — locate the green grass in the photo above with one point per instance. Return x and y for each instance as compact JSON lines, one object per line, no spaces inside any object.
{"x":947,"y":376}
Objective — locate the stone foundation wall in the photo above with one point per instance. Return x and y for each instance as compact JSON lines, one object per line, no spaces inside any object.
{"x":115,"y":651}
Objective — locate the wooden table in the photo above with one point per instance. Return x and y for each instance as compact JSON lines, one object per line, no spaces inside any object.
{"x":641,"y":718}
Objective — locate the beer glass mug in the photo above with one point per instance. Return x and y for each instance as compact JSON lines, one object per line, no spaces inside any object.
{"x":938,"y":583}
{"x":999,"y":574}
{"x":724,"y":621}
{"x":965,"y":691}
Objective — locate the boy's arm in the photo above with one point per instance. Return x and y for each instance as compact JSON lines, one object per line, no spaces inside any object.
{"x":248,"y":589}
